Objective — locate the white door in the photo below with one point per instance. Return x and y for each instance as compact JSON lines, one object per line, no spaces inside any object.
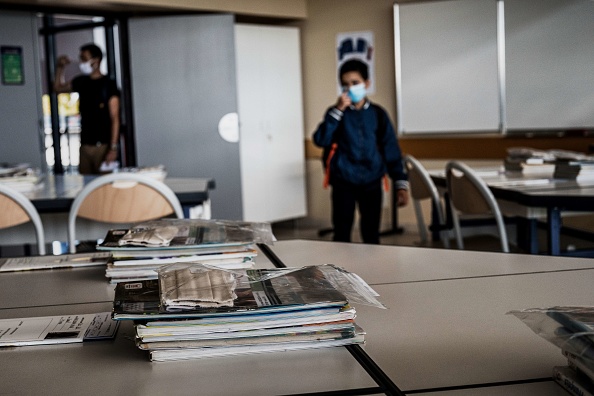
{"x":270,"y":108}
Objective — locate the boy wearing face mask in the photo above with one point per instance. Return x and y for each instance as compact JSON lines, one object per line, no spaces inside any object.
{"x":364,"y":149}
{"x":99,"y":106}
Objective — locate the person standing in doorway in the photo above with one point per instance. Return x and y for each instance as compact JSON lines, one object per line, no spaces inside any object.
{"x":99,"y":106}
{"x":360,"y":147}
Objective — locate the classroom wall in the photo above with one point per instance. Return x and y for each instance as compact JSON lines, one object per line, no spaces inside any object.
{"x":20,"y":105}
{"x":324,"y":21}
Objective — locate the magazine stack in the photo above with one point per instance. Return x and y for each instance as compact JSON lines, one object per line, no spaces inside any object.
{"x":140,"y":251}
{"x":195,"y":311}
{"x":572,"y":330}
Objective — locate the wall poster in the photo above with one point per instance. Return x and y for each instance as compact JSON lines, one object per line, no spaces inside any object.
{"x":357,"y":45}
{"x":12,"y":65}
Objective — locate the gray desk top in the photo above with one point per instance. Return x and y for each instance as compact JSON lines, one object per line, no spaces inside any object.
{"x":456,"y":332}
{"x":379,"y":264}
{"x":118,"y":368}
{"x":548,"y":388}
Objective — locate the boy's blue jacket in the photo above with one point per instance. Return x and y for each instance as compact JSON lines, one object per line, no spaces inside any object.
{"x":367,"y":146}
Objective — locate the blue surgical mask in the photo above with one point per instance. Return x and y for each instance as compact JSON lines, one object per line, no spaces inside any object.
{"x":357,"y":92}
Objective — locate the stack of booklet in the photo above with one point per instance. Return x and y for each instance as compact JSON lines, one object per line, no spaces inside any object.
{"x":575,"y":170}
{"x":197,"y":311}
{"x":529,"y":161}
{"x":140,"y":251}
{"x":572,"y":330}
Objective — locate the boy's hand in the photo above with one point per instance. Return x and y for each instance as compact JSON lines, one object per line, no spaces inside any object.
{"x":402,"y":197}
{"x":112,"y":155}
{"x":63,"y":61}
{"x":344,"y":101}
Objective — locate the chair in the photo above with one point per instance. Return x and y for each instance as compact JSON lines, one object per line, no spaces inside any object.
{"x":122,"y":198}
{"x":17,"y":209}
{"x":422,"y":187}
{"x":469,"y":194}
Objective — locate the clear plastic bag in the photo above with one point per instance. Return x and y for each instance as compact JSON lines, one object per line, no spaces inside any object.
{"x":252,"y":289}
{"x":569,"y":328}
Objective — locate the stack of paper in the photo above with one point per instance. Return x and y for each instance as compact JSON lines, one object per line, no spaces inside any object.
{"x":529,"y":161}
{"x":574,"y":170}
{"x":63,"y":329}
{"x":20,"y":177}
{"x":140,"y":251}
{"x":571,"y":329}
{"x":197,"y":311}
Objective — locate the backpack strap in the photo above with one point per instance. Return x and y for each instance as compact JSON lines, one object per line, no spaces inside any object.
{"x":381,"y":126}
{"x":326,"y":182}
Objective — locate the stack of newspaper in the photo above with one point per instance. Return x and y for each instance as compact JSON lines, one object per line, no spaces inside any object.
{"x":140,"y":251}
{"x":572,"y":330}
{"x":196,"y":311}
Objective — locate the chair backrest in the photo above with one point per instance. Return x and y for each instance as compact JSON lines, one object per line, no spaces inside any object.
{"x":469,"y":194}
{"x":122,"y":198}
{"x":422,"y":187}
{"x":16,"y":209}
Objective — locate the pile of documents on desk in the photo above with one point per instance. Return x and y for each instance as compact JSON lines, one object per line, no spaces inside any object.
{"x":558,"y":164}
{"x":529,"y":161}
{"x":572,"y":330}
{"x":578,"y":170}
{"x":20,"y":177}
{"x":140,"y":251}
{"x":197,"y":311}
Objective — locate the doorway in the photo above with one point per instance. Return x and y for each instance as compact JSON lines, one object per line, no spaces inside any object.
{"x":63,"y":34}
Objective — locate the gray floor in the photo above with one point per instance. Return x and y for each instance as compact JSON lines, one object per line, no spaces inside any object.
{"x":409,"y":236}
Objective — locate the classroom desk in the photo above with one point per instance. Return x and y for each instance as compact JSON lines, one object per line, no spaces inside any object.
{"x":444,"y":329}
{"x":546,"y":388}
{"x":453,"y":333}
{"x":58,"y":191}
{"x":54,"y":198}
{"x":533,"y":197}
{"x":379,"y":264}
{"x":445,"y":324}
{"x":118,"y":368}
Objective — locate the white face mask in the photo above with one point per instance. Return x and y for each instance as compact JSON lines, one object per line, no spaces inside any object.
{"x":85,"y":67}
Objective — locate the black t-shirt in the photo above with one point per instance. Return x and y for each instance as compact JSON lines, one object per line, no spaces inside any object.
{"x":94,"y":95}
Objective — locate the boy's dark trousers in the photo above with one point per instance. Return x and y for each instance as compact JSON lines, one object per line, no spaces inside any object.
{"x":368,"y":198}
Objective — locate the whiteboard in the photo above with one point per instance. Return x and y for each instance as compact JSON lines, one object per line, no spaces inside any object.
{"x":550,"y":64}
{"x":446,"y":66}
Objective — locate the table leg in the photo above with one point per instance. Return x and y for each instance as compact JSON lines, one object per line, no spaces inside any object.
{"x":527,"y":234}
{"x":554,"y":231}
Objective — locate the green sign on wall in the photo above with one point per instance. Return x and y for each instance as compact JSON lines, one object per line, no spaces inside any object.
{"x":12,"y":65}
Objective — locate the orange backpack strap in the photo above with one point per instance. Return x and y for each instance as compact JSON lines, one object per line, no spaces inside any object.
{"x":326,"y":182}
